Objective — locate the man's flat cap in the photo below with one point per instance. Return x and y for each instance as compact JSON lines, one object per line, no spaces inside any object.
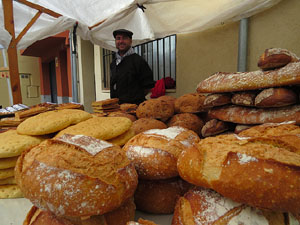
{"x":122,"y":31}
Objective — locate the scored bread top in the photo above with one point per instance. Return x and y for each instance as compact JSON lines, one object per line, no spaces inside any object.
{"x":241,"y":81}
{"x":76,"y":175}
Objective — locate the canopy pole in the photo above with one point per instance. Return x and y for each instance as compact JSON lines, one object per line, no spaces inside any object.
{"x":243,"y":45}
{"x":73,"y":43}
{"x":12,"y":52}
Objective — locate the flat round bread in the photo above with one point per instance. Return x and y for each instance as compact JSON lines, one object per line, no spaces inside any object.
{"x":52,"y":121}
{"x":5,"y":173}
{"x":123,"y":138}
{"x":13,"y":144}
{"x":8,"y":162}
{"x":103,"y":128}
{"x":10,"y":191}
{"x":9,"y":180}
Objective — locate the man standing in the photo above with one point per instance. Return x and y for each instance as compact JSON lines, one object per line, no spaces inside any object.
{"x":131,"y":77}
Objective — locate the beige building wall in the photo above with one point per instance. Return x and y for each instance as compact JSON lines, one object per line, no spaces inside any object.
{"x":201,"y":54}
{"x":29,"y":81}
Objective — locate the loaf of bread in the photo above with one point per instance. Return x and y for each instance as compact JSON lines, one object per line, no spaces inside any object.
{"x":276,"y":57}
{"x":76,"y":176}
{"x":213,"y":100}
{"x":255,"y":171}
{"x":155,"y":108}
{"x":275,"y":97}
{"x":190,"y":103}
{"x":241,"y":81}
{"x":205,"y":206}
{"x":159,"y":196}
{"x":155,"y":152}
{"x":187,"y":120}
{"x":250,"y":115}
{"x":141,"y":222}
{"x":214,"y":127}
{"x":144,"y":124}
{"x":244,"y":98}
{"x":119,"y":216}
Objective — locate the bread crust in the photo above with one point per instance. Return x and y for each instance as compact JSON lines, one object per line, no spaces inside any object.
{"x":204,"y":206}
{"x":241,"y":81}
{"x":250,"y":115}
{"x":76,"y":176}
{"x":159,"y":196}
{"x":155,"y":152}
{"x":190,"y":103}
{"x":275,"y":97}
{"x":276,"y":57}
{"x":252,"y":171}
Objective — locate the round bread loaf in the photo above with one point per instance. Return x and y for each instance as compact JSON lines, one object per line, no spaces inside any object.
{"x":76,"y":175}
{"x":205,"y":206}
{"x":123,"y":114}
{"x":190,"y":103}
{"x":276,"y":97}
{"x":155,"y":108}
{"x":187,"y":120}
{"x":258,"y":171}
{"x":128,"y":108}
{"x":119,"y":216}
{"x":144,"y":124}
{"x":159,"y":196}
{"x":155,"y":152}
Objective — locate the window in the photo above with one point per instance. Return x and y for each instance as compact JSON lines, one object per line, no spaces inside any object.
{"x":160,"y":55}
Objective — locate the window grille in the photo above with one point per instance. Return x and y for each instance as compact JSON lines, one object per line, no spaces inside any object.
{"x":160,"y":55}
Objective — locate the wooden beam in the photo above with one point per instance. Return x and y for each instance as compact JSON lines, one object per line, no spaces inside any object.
{"x":97,"y":24}
{"x":12,"y":51}
{"x":31,"y":22}
{"x":40,"y":8}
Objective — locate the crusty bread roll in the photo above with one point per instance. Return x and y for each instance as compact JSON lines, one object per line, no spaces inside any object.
{"x":244,"y":98}
{"x":254,"y":171}
{"x":205,"y":206}
{"x":155,"y":108}
{"x":214,"y":127}
{"x":241,"y":81}
{"x":155,"y":152}
{"x":276,"y":57}
{"x":159,"y":196}
{"x":187,"y":120}
{"x":190,"y":103}
{"x":213,"y":100}
{"x":76,"y":176}
{"x":119,"y":216}
{"x":251,"y":115}
{"x":275,"y":97}
{"x":143,"y":124}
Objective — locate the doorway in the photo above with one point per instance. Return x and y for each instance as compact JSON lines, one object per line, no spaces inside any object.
{"x":53,"y":85}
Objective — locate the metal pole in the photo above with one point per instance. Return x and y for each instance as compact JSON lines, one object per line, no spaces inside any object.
{"x":243,"y":45}
{"x":74,"y":64}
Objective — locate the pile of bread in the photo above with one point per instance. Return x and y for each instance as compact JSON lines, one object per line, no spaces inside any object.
{"x":166,"y":156}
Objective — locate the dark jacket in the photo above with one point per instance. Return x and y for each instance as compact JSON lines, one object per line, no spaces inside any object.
{"x":130,"y":78}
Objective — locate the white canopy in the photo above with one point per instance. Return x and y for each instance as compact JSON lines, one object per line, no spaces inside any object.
{"x":148,"y":19}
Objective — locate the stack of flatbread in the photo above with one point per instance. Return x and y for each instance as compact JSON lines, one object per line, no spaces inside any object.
{"x":12,"y":145}
{"x":106,"y":106}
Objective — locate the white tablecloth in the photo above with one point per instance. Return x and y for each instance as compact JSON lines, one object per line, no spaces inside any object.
{"x":14,"y":211}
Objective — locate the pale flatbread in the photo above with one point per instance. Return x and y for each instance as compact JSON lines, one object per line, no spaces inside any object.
{"x":123,"y":138}
{"x":10,"y":191}
{"x":52,"y":121}
{"x":5,"y":173}
{"x":13,"y":144}
{"x":9,"y":180}
{"x":103,"y":128}
{"x":8,"y":162}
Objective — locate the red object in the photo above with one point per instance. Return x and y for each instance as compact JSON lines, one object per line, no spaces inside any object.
{"x":159,"y":89}
{"x":169,"y":83}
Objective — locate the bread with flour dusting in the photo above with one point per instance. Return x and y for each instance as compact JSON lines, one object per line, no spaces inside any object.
{"x":241,"y":81}
{"x":259,"y":172}
{"x":155,"y":152}
{"x":76,"y":175}
{"x":205,"y":206}
{"x":276,"y":57}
